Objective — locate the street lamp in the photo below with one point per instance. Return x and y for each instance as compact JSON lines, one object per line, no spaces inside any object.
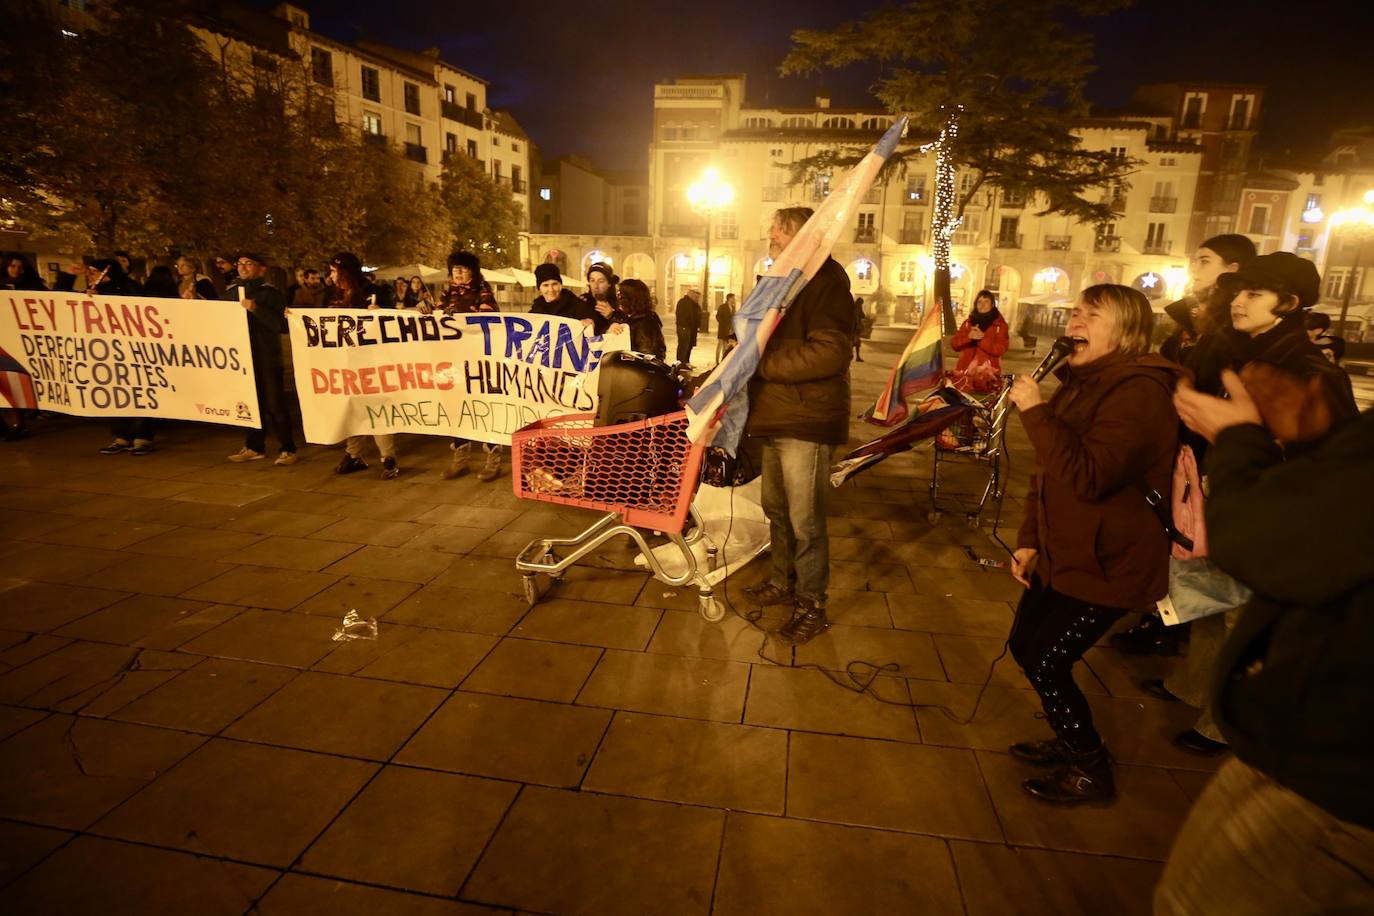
{"x":1359,"y":223}
{"x":706,"y":197}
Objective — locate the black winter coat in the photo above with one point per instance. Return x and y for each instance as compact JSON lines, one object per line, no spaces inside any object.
{"x":801,"y":388}
{"x":1294,"y":680}
{"x":688,"y":314}
{"x":565,"y":306}
{"x":267,"y":321}
{"x":646,"y":335}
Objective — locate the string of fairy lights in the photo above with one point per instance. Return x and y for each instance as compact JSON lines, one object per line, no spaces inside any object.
{"x":943,"y":224}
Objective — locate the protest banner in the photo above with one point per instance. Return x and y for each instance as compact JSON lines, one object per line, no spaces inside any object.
{"x":126,"y":356}
{"x":478,"y":375}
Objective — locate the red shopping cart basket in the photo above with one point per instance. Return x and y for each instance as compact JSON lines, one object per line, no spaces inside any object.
{"x":647,"y":471}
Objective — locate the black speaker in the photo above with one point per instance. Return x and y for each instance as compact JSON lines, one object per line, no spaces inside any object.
{"x":633,"y":386}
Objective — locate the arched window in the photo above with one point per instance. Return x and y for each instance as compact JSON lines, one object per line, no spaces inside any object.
{"x":757,"y":122}
{"x":839,"y":123}
{"x":875,"y":124}
{"x":797,"y":122}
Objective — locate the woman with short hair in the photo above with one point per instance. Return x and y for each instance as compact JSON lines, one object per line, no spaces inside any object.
{"x":637,"y":310}
{"x":1090,"y":547}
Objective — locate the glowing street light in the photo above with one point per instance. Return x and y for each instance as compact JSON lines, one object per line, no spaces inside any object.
{"x":707,"y":196}
{"x":1358,"y":223}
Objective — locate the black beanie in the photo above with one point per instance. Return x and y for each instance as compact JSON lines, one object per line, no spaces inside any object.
{"x":546,"y":272}
{"x":464,"y":259}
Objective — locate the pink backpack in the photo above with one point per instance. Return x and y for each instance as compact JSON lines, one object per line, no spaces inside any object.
{"x":1186,"y":503}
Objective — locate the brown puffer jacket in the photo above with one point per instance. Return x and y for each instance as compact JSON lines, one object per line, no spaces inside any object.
{"x":801,"y":388}
{"x":1106,"y":436}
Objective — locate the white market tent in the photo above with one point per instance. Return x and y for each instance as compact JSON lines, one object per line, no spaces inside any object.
{"x":426,"y":273}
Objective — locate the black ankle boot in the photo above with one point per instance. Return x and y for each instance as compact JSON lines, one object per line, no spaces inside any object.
{"x":1151,"y":637}
{"x":1086,"y":779}
{"x":1049,"y":753}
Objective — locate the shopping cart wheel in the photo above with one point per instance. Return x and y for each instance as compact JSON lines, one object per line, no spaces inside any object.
{"x":710,"y":608}
{"x":934,"y":516}
{"x":530,"y":583}
{"x":973,"y":521}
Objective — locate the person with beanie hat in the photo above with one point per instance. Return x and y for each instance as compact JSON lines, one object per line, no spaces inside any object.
{"x":266,"y":307}
{"x":601,"y":297}
{"x":468,"y":292}
{"x":555,"y":300}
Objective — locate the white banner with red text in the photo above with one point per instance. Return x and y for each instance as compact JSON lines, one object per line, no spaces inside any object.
{"x":477,"y":375}
{"x":127,"y":356}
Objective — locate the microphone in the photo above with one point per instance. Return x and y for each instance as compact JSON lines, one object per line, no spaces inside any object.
{"x":1059,"y":351}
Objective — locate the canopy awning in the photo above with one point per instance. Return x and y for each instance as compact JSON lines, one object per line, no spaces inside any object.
{"x":424,"y":272}
{"x":1052,"y":300}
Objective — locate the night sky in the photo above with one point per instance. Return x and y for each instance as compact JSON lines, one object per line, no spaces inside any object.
{"x":579,"y":77}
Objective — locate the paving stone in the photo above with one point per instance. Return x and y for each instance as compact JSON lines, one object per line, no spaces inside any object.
{"x":303,"y":895}
{"x":589,"y":623}
{"x":339,"y":715}
{"x":904,"y":787}
{"x":16,"y":718}
{"x":848,"y":870}
{"x":470,"y":516}
{"x":575,"y":853}
{"x":1141,"y":823}
{"x":806,"y":700}
{"x":737,"y":767}
{"x":278,"y":521}
{"x":451,"y":539}
{"x":585,"y":583}
{"x":38,"y":499}
{"x":241,"y":801}
{"x":996,"y":585}
{"x":259,"y":586}
{"x":1192,"y":783}
{"x":958,"y":616}
{"x":371,"y":531}
{"x":838,"y":647}
{"x":482,"y":573}
{"x":68,"y":678}
{"x":465,"y":609}
{"x":226,"y":494}
{"x":56,"y":563}
{"x":534,"y":670}
{"x":133,"y":620}
{"x":23,"y":846}
{"x":93,"y":875}
{"x":1036,"y":882}
{"x":156,"y":575}
{"x":148,"y":671}
{"x":67,"y":772}
{"x":17,"y":648}
{"x":508,"y":738}
{"x":307,"y":554}
{"x":698,"y":688}
{"x":207,"y":698}
{"x":436,"y":658}
{"x":421,"y":830}
{"x":967,"y":660}
{"x":369,"y":597}
{"x":848,"y":607}
{"x":107,"y":533}
{"x":689,"y":634}
{"x":1121,"y":675}
{"x":392,"y":563}
{"x":28,"y":525}
{"x":38,"y":607}
{"x":274,"y":637}
{"x":198,"y":543}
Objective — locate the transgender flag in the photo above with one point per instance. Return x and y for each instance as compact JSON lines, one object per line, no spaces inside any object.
{"x":917,"y":371}
{"x":16,"y":385}
{"x":716,"y":413}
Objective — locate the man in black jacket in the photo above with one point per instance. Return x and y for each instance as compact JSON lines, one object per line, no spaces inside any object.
{"x":1288,"y":826}
{"x":688,"y":313}
{"x":799,"y":408}
{"x":266,"y":309}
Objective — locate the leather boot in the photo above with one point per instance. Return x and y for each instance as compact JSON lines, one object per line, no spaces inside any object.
{"x":1151,"y":637}
{"x":1051,"y":753}
{"x":1086,"y":779}
{"x":458,"y":464}
{"x":491,"y":467}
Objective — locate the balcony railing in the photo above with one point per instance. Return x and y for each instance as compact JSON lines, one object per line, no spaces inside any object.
{"x":682,"y":230}
{"x":865,"y":234}
{"x":375,"y":139}
{"x":1058,"y":242}
{"x":1163,"y":204}
{"x":1107,"y":243}
{"x":726,"y":232}
{"x":774,"y":194}
{"x":1014,"y":201}
{"x":416,"y":152}
{"x":911,"y":236}
{"x":519,"y":186}
{"x":1009,"y":241}
{"x":1157,"y":247}
{"x":455,"y":112}
{"x":965,"y":237}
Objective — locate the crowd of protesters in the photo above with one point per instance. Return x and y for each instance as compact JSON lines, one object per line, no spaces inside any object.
{"x":1235,"y":453}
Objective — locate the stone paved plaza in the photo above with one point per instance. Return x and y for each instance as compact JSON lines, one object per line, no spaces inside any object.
{"x":182,"y":736}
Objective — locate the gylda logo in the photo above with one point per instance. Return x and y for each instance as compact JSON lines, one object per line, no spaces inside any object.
{"x":212,"y":411}
{"x":242,"y":411}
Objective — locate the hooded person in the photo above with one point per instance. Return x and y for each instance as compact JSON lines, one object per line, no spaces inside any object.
{"x":555,"y":299}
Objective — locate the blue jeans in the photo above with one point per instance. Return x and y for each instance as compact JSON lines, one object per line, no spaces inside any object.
{"x":796,"y":477}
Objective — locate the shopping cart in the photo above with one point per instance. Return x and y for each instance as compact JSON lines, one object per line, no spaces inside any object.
{"x":976,"y":441}
{"x":642,"y":475}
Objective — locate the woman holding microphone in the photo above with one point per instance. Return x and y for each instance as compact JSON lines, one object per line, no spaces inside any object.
{"x":1090,"y":548}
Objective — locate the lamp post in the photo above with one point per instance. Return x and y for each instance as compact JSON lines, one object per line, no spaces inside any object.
{"x":706,"y":197}
{"x":1358,"y":222}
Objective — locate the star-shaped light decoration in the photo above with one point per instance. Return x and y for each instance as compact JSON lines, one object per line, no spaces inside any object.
{"x":1148,"y":281}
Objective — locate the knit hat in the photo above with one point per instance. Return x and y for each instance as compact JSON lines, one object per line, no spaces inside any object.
{"x":601,"y":267}
{"x":546,"y":272}
{"x":253,"y":256}
{"x":464,"y":259}
{"x":1281,"y":272}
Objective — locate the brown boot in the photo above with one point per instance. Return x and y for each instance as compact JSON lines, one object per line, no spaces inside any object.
{"x":491,"y":467}
{"x":458,"y":464}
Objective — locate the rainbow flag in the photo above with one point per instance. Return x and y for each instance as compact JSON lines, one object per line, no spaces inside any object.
{"x":717,"y":412}
{"x":918,"y":370}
